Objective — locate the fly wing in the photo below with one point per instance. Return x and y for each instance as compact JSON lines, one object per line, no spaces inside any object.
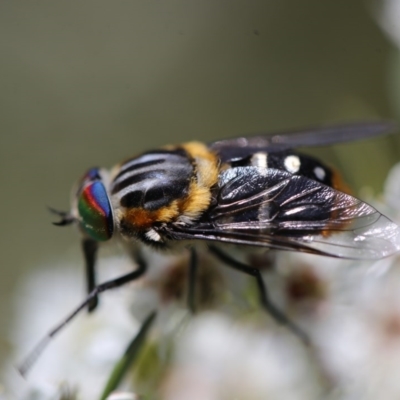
{"x":273,"y":208}
{"x":231,"y":149}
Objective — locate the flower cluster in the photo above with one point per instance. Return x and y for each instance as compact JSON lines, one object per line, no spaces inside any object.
{"x":231,"y":349}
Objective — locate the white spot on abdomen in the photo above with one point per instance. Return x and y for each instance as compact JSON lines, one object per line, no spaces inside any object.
{"x":259,"y":160}
{"x":292,"y":164}
{"x":319,"y":173}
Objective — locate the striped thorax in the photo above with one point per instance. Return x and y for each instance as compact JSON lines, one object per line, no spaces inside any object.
{"x":142,"y":194}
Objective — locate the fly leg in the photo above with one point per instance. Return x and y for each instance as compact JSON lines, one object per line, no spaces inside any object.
{"x":89,"y":247}
{"x":192,"y":275}
{"x":265,"y":300}
{"x":113,"y":283}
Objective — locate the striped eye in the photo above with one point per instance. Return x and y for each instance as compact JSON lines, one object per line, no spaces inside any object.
{"x":95,"y":211}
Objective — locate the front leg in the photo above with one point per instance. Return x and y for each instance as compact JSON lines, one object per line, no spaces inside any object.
{"x":26,"y":365}
{"x":90,"y":247}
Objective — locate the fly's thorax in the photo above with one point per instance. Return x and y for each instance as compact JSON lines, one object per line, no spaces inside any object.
{"x":170,"y":185}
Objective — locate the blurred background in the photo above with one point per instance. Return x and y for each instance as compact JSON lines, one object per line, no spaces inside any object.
{"x":89,"y":83}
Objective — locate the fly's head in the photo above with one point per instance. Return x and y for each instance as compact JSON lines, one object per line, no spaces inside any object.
{"x":91,"y":207}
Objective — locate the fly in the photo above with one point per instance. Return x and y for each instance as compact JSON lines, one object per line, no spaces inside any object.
{"x":255,"y":191}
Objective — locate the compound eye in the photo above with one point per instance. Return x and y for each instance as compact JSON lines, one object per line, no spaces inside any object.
{"x":95,"y":211}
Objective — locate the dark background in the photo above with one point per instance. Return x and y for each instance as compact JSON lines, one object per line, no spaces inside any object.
{"x":86,"y":83}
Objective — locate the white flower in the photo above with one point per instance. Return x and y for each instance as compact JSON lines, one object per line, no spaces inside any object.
{"x":83,"y":354}
{"x":218,"y":358}
{"x":349,"y":309}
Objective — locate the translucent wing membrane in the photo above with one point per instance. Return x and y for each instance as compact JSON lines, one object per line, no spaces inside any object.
{"x":321,"y":136}
{"x":273,"y":208}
